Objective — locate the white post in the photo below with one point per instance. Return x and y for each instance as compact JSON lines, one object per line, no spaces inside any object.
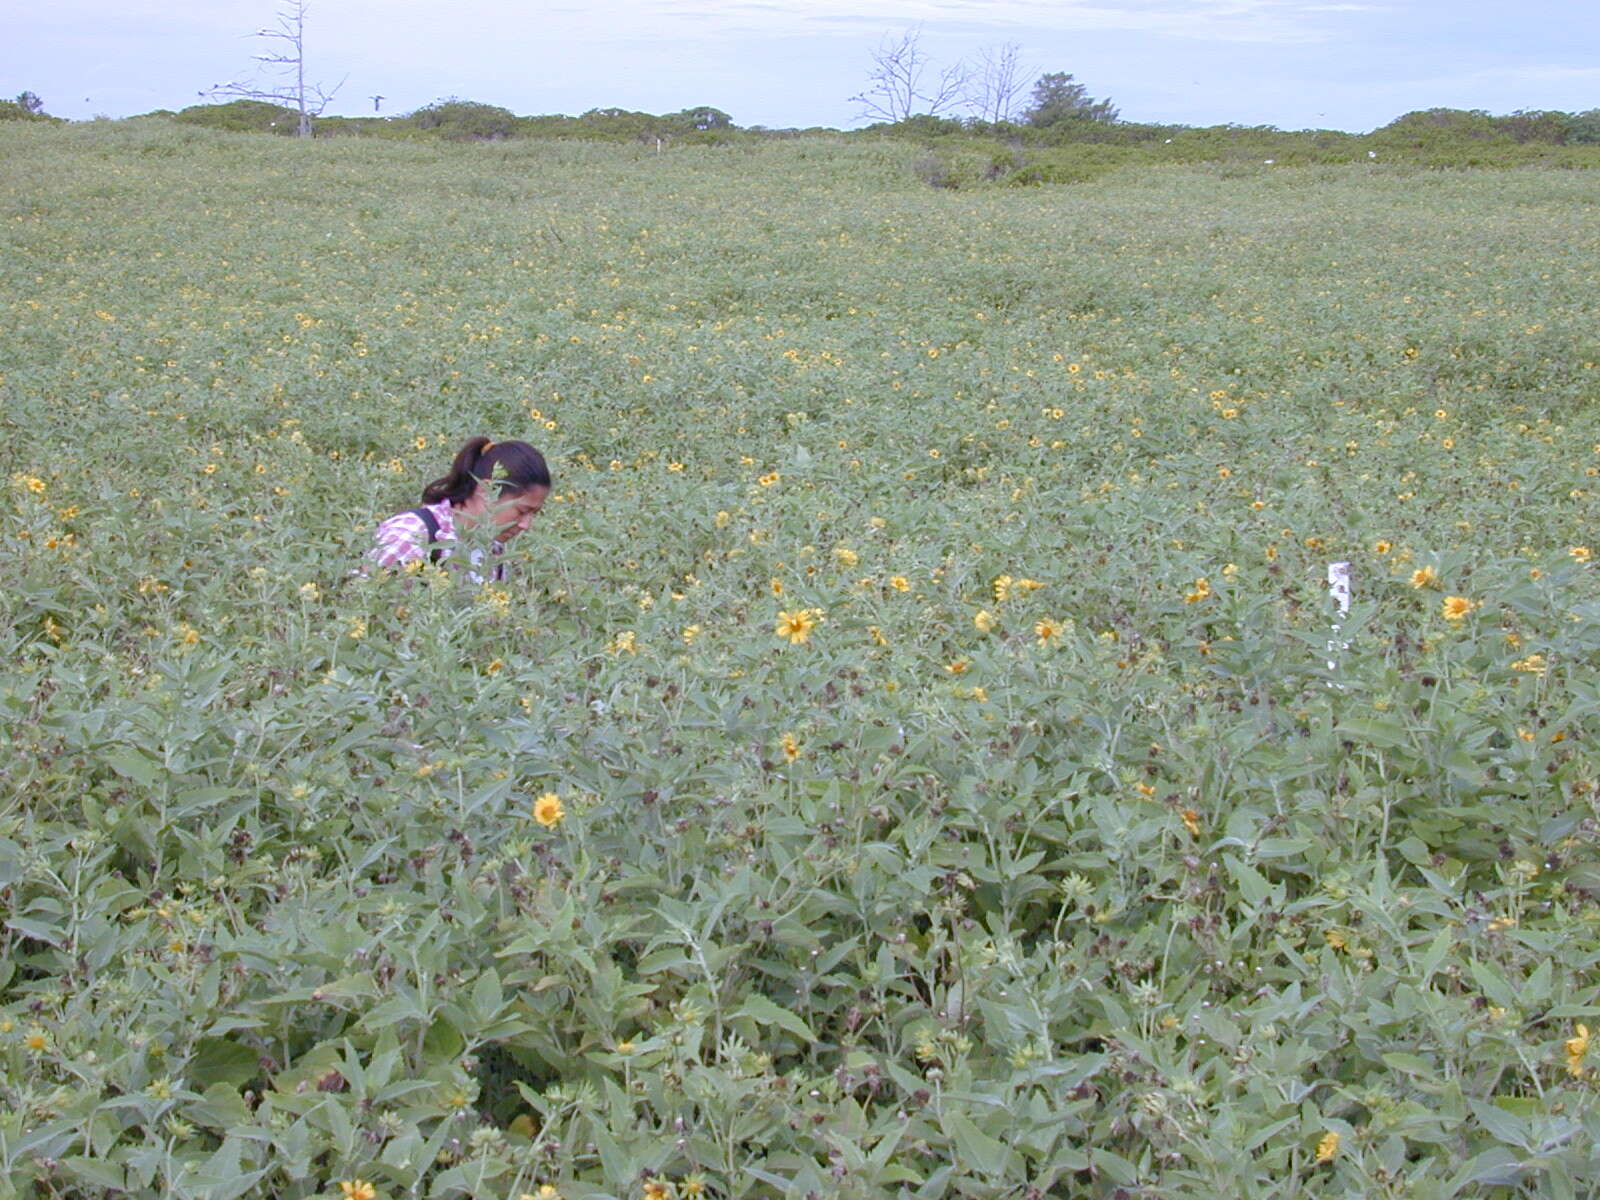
{"x":1339,"y":593}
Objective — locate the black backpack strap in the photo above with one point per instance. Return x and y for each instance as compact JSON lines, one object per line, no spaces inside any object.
{"x":431,"y":523}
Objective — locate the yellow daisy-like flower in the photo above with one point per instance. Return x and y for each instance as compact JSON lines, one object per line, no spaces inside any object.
{"x":797,"y":624}
{"x":1002,"y":588}
{"x":1328,"y":1147}
{"x":1382,"y":546}
{"x":690,"y":633}
{"x":1201,"y":589}
{"x":1534,"y":664}
{"x":958,"y":666}
{"x":985,"y":621}
{"x":1577,"y":1048}
{"x":791,"y":747}
{"x":846,"y":556}
{"x":548,"y":810}
{"x":1047,"y":630}
{"x":1424,"y":577}
{"x":357,"y":1189}
{"x":1191,"y":821}
{"x":1581,"y":553}
{"x":900,"y":583}
{"x":1455,"y":608}
{"x":656,"y":1189}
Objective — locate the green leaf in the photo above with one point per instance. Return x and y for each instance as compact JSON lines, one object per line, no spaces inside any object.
{"x":764,"y":1012}
{"x":974,"y":1146}
{"x":131,"y":764}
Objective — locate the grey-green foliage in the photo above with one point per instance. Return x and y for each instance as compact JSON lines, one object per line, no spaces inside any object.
{"x":1154,"y":900}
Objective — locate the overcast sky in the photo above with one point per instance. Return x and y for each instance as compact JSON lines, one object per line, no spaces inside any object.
{"x":1334,"y":64}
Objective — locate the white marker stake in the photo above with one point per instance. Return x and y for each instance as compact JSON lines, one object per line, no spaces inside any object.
{"x":1339,"y":593}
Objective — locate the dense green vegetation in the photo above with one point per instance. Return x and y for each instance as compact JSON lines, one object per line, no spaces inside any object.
{"x":962,"y":791}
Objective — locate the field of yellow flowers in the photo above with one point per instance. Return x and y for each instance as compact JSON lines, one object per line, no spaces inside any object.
{"x":911,"y":754}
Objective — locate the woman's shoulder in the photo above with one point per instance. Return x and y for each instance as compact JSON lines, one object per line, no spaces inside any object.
{"x":406,"y":535}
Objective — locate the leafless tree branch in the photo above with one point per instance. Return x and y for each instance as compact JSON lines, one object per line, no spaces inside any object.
{"x":308,"y":100}
{"x":998,"y":83}
{"x":895,"y":85}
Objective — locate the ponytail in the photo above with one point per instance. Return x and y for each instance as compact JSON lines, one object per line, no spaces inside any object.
{"x":516,"y":466}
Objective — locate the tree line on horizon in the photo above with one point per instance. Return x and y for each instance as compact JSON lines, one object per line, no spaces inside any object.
{"x":1061,"y":112}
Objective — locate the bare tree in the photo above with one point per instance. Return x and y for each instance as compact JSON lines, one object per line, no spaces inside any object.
{"x":287,"y":59}
{"x":899,"y":86}
{"x":998,"y":83}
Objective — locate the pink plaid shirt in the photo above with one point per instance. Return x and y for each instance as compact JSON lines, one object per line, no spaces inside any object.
{"x":404,"y":536}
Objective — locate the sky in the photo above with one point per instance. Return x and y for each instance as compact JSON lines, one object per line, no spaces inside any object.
{"x":1296,"y":64}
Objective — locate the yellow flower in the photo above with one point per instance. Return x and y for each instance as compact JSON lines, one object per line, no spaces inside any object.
{"x":1581,"y":553}
{"x":1456,"y":607}
{"x":1191,"y":821}
{"x":777,"y":587}
{"x":656,"y":1189}
{"x":626,"y":642}
{"x":1424,"y":577}
{"x":791,"y":747}
{"x":690,"y":633}
{"x":899,"y":583}
{"x":958,"y":667}
{"x":310,"y":591}
{"x":1328,"y":1147}
{"x":1201,"y":589}
{"x":1534,"y":664}
{"x":797,"y":624}
{"x":1047,"y":630}
{"x":36,"y":1041}
{"x":1002,"y":589}
{"x":357,"y":1189}
{"x":985,"y":621}
{"x":846,"y":556}
{"x":1382,"y":546}
{"x":548,"y":811}
{"x":1577,"y":1048}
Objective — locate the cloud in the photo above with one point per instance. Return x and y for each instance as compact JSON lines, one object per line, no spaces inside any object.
{"x":1247,"y":21}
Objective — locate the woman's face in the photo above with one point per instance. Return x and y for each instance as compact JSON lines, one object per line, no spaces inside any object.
{"x":507,"y":515}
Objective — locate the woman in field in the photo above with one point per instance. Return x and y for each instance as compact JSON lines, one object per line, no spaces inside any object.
{"x":495,"y":487}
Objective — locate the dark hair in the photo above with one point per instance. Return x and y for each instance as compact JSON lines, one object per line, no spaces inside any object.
{"x":516,"y":466}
